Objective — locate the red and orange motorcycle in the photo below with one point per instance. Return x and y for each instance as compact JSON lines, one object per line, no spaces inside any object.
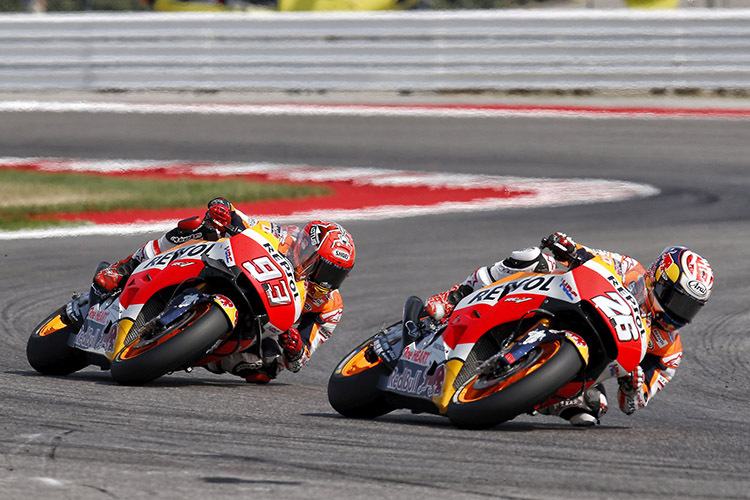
{"x":183,"y":308}
{"x":507,"y":349}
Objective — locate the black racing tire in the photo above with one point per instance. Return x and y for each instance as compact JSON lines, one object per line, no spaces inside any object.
{"x":177,"y":348}
{"x":353,"y":386}
{"x":542,"y":373}
{"x":47,"y":349}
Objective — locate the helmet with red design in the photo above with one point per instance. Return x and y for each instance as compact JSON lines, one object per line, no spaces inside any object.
{"x":322,"y":255}
{"x":679,"y":283}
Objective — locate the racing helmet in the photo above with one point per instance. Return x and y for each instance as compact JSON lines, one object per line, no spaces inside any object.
{"x":679,"y":283}
{"x":322,"y":255}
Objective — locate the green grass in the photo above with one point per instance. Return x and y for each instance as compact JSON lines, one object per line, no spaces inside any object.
{"x":30,"y":199}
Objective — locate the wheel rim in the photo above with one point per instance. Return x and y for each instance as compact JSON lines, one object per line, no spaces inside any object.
{"x":481,"y":386}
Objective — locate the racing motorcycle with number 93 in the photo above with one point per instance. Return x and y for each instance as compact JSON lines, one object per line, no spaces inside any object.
{"x":507,"y":349}
{"x":186,"y":307}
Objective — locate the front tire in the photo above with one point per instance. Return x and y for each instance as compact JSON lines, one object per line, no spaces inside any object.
{"x":176,"y":348}
{"x":47,"y":349}
{"x":353,"y":386}
{"x":482,"y":402}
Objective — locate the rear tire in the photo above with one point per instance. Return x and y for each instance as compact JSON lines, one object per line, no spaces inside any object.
{"x":176,"y":348}
{"x":530,"y":382}
{"x":353,"y":386}
{"x":47,"y":349}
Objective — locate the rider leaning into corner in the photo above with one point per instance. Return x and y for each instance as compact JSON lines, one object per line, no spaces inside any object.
{"x":671,"y":292}
{"x":322,"y":254}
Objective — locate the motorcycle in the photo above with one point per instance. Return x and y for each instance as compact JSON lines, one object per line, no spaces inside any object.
{"x":510,"y":348}
{"x":184,"y":308}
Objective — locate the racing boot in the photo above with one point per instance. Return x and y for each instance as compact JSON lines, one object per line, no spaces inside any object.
{"x":583,"y":411}
{"x":530,"y":260}
{"x":239,"y":364}
{"x":250,"y":366}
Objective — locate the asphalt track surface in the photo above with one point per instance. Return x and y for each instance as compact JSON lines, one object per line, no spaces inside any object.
{"x":205,"y":436}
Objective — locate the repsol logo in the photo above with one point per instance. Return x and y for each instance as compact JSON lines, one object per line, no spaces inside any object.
{"x":495,"y":293}
{"x":193,"y":251}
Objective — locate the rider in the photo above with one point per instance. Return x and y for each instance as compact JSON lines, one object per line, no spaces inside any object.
{"x":322,"y":254}
{"x":672,"y":291}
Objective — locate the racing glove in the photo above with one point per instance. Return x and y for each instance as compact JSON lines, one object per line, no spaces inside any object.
{"x":219,"y":214}
{"x":115,"y":275}
{"x":633,"y":392}
{"x":441,"y":305}
{"x":561,"y":246}
{"x":292,"y":344}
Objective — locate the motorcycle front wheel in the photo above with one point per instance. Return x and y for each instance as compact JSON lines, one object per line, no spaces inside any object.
{"x":353,"y":386}
{"x":487,"y":400}
{"x":47,"y":349}
{"x":186,"y":341}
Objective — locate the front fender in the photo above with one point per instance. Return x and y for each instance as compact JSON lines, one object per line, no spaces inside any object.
{"x":178,"y":306}
{"x":539,"y":334}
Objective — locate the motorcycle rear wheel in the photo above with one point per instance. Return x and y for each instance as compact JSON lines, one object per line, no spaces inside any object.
{"x":176,"y":348}
{"x":47,"y":349}
{"x":484,"y":402}
{"x":353,"y":386}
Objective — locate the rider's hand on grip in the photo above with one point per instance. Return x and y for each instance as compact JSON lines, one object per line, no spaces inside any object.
{"x":561,"y":246}
{"x":292,"y":344}
{"x":115,"y":275}
{"x":219,"y":214}
{"x":438,"y":306}
{"x":441,"y":305}
{"x":108,"y":279}
{"x":631,"y":394}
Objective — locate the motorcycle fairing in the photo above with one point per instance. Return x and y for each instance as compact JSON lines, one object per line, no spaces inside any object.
{"x":255,"y":254}
{"x":420,"y":371}
{"x":517,"y":295}
{"x":272,"y":275}
{"x":441,"y":361}
{"x":429,"y":364}
{"x":594,"y":282}
{"x":619,"y":309}
{"x":107,"y":325}
{"x":184,"y":262}
{"x":98,"y":334}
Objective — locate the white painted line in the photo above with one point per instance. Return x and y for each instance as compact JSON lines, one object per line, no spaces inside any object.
{"x":369,"y":110}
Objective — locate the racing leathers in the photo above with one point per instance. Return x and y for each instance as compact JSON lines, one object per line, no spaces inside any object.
{"x":656,"y":369}
{"x":290,"y":349}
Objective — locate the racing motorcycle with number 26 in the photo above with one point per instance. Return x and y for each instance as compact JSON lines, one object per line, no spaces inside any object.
{"x":507,"y":349}
{"x":184,"y":308}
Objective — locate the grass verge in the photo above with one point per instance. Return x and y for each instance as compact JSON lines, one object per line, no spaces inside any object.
{"x":30,"y":199}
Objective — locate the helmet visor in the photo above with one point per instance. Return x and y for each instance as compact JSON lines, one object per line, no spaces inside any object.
{"x":302,"y":255}
{"x":676,"y":304}
{"x":328,"y":275}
